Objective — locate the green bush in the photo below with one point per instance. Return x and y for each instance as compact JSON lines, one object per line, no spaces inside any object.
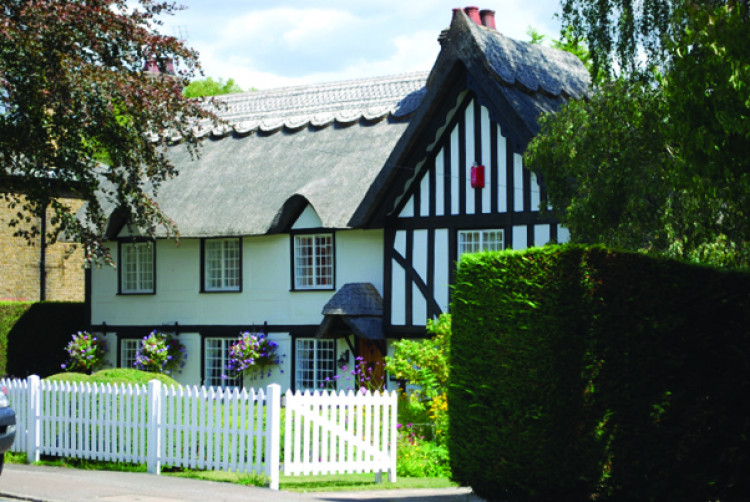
{"x":115,"y":376}
{"x":10,"y":313}
{"x":33,"y":336}
{"x":581,"y":373}
{"x":420,"y":458}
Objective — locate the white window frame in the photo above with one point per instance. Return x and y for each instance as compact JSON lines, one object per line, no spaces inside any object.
{"x":222,"y":265}
{"x":137,"y":267}
{"x":315,"y":360}
{"x":215,"y":358}
{"x":478,"y":240}
{"x":314,"y":261}
{"x":128,"y":349}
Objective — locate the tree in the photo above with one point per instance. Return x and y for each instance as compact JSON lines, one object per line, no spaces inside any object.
{"x":73,"y":92}
{"x":606,"y":190}
{"x":620,"y":33}
{"x":210,"y":87}
{"x":661,"y":165}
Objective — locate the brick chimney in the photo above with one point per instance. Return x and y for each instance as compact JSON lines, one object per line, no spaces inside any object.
{"x":473,"y":13}
{"x":488,"y":18}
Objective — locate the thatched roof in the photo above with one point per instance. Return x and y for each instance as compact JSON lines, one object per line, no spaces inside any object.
{"x":321,"y":145}
{"x":338,"y":147}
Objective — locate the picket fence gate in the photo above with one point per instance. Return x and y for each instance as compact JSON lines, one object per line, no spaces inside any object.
{"x":206,"y":428}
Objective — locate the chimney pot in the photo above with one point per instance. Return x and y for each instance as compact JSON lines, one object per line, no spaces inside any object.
{"x":151,"y":66}
{"x":169,"y":66}
{"x":488,"y":18}
{"x":473,"y":13}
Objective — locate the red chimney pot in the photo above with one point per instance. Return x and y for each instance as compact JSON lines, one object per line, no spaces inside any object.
{"x":151,"y":66}
{"x":473,"y":13}
{"x":488,"y":18}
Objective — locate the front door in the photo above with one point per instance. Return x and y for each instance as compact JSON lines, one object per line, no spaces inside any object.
{"x":372,"y":364}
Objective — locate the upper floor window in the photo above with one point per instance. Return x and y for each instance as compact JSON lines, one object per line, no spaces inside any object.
{"x":474,"y":241}
{"x":313,"y":261}
{"x":222,"y":265}
{"x":137,"y":267}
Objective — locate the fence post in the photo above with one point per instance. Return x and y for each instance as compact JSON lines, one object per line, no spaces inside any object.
{"x":393,"y":443}
{"x":153,"y":437}
{"x":33,"y":415}
{"x":273,"y":434}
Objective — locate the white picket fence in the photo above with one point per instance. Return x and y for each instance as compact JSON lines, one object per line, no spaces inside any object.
{"x":206,"y":428}
{"x":345,"y":432}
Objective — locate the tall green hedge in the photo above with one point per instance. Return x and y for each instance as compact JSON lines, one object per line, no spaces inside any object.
{"x":580,"y":372}
{"x":33,"y":336}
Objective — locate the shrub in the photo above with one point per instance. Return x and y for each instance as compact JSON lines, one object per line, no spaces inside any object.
{"x":160,"y":353}
{"x":425,"y":363}
{"x":25,"y":327}
{"x":420,"y":458}
{"x":585,"y":373}
{"x":115,"y":376}
{"x":86,"y":352}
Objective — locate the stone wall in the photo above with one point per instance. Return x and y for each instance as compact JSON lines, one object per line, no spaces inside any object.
{"x":19,"y":264}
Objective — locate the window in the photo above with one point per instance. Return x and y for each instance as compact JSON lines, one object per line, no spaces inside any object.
{"x":313,"y":261}
{"x":128,"y":349}
{"x":216,"y":356}
{"x":222,"y":265}
{"x":474,"y":241}
{"x":137,"y":267}
{"x":315,"y":361}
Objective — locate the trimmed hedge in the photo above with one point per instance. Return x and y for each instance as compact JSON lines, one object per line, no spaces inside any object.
{"x":33,"y":336}
{"x":580,"y":372}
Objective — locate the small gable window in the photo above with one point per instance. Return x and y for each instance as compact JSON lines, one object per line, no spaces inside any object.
{"x":474,"y":241}
{"x":137,"y":267}
{"x":222,"y":264}
{"x":313,"y":261}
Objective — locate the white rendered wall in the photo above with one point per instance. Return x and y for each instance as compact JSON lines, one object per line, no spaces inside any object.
{"x":266,"y":294}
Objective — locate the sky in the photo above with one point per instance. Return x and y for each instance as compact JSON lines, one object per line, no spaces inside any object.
{"x":264,"y":44}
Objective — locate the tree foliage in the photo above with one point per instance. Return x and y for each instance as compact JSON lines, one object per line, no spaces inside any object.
{"x":73,"y":92}
{"x":607,"y":190}
{"x":620,"y":33}
{"x":656,"y":159}
{"x":210,"y":87}
{"x":426,"y":362}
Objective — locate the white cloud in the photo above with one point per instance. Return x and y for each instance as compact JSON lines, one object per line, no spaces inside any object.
{"x":268,"y":43}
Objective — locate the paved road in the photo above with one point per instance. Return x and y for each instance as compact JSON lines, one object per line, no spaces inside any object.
{"x":56,"y":484}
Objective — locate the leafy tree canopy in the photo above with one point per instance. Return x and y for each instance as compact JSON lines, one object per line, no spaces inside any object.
{"x":73,"y":91}
{"x":210,"y":87}
{"x":656,"y":159}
